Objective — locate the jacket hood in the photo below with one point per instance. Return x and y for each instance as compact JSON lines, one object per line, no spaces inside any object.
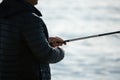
{"x":10,"y":8}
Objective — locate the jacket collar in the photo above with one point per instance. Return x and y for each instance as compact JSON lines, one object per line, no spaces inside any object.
{"x":9,"y":8}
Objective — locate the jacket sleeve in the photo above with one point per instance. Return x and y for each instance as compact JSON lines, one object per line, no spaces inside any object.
{"x":39,"y":45}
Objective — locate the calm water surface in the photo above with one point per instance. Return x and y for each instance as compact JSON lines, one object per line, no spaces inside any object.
{"x":92,"y":59}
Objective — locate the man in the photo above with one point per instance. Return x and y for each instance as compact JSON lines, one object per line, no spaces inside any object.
{"x":25,"y":47}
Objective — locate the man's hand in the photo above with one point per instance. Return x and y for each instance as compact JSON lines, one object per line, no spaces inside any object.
{"x":56,"y":41}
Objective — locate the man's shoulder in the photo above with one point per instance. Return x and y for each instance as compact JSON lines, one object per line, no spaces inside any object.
{"x":23,"y":19}
{"x":27,"y":18}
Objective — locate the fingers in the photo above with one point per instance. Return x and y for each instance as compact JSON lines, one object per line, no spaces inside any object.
{"x":60,"y":41}
{"x":56,"y":41}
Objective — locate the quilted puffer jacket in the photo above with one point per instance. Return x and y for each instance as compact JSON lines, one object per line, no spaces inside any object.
{"x":25,"y":53}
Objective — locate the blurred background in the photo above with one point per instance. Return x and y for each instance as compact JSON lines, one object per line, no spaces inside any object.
{"x":91,"y":59}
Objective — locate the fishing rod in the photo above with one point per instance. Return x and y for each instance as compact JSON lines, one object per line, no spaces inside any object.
{"x":91,"y":36}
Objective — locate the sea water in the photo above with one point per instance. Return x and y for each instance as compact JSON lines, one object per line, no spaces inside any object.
{"x":91,"y":59}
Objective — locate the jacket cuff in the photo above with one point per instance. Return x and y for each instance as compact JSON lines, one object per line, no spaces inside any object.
{"x":56,"y":56}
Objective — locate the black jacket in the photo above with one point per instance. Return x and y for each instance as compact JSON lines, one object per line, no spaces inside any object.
{"x":25,"y":52}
